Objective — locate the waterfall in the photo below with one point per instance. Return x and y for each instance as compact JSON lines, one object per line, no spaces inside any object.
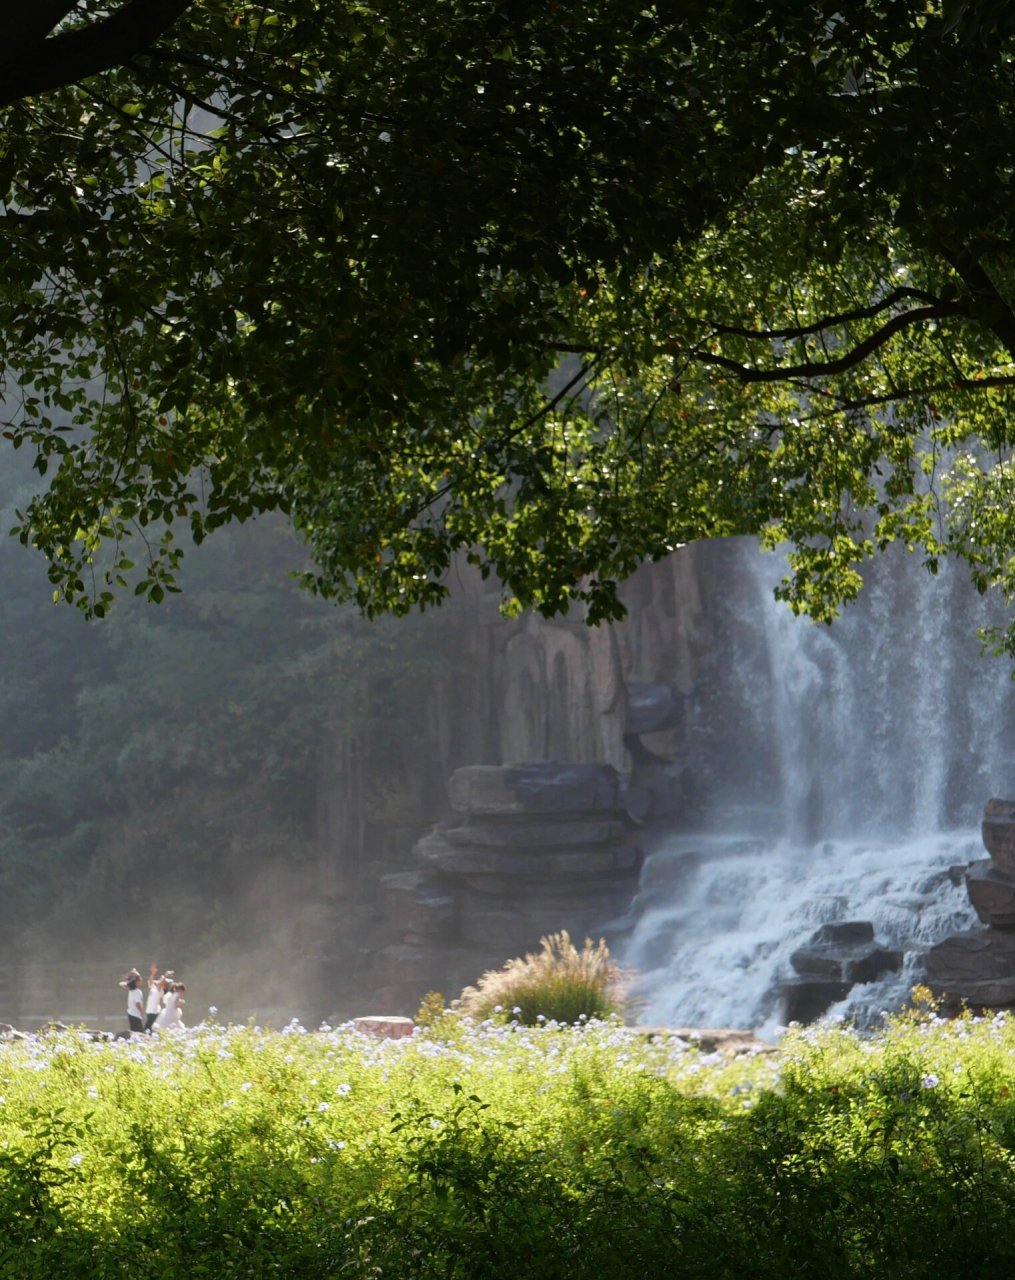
{"x":842,"y":772}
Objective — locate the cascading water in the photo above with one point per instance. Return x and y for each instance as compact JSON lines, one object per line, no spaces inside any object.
{"x":844,"y":771}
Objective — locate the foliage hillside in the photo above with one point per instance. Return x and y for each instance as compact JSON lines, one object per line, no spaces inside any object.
{"x":161,"y":776}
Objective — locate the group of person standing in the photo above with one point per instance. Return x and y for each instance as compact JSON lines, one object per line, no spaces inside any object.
{"x":160,"y":1006}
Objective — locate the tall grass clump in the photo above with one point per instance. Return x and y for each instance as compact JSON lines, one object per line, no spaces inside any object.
{"x":559,"y":983}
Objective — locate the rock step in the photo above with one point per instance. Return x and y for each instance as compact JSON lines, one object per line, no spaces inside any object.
{"x":545,"y":787}
{"x":981,"y":955}
{"x":806,"y":999}
{"x":992,"y":893}
{"x":528,"y":834}
{"x":459,"y":859}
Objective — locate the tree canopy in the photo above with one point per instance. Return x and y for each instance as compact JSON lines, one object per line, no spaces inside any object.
{"x":559,"y":287}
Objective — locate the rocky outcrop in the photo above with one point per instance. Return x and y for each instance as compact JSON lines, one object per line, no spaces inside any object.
{"x":978,"y":968}
{"x":998,"y":830}
{"x":492,"y":792}
{"x":532,"y":849}
{"x":837,"y":956}
{"x":975,"y":968}
{"x":992,"y":893}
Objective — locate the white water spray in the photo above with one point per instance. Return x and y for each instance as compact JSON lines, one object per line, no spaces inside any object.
{"x":853,"y":778}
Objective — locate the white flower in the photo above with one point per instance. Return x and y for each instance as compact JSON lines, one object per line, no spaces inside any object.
{"x":75,"y":1159}
{"x":213,"y":1009}
{"x":93,"y":1092}
{"x":246,"y":1086}
{"x":385,"y":136}
{"x":929,"y":1081}
{"x":343,"y":1089}
{"x":322,"y":1106}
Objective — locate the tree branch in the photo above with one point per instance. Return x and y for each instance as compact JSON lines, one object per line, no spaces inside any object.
{"x":829,"y":322}
{"x":73,"y":55}
{"x":828,"y":368}
{"x":993,"y":310}
{"x":26,"y":23}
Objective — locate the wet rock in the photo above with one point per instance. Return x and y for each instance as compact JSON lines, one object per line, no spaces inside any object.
{"x":844,"y":931}
{"x":806,"y":999}
{"x":992,"y":894}
{"x":990,"y":993}
{"x":872,"y":965}
{"x":960,"y":964}
{"x":845,"y":951}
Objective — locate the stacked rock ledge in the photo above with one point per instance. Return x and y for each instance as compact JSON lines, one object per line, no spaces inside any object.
{"x":977,"y":968}
{"x":837,"y":956}
{"x":531,"y":849}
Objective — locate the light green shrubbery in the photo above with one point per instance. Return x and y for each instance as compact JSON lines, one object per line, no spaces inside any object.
{"x":558,"y":983}
{"x":505,"y":1152}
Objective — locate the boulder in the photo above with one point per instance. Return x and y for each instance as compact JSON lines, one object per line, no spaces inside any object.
{"x":844,"y":931}
{"x":992,"y":893}
{"x":845,"y":951}
{"x":998,"y":830}
{"x":965,"y":965}
{"x":990,"y":993}
{"x":808,"y":998}
{"x":872,"y":964}
{"x":549,"y":787}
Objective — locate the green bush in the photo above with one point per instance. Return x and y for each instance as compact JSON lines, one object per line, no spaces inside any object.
{"x":559,"y":983}
{"x":583,"y":1152}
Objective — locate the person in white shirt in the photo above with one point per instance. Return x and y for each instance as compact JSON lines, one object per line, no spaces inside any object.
{"x":157,"y":988}
{"x":135,"y":1000}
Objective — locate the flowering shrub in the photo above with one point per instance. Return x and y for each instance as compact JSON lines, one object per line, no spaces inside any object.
{"x":558,"y":982}
{"x":508,"y":1151}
